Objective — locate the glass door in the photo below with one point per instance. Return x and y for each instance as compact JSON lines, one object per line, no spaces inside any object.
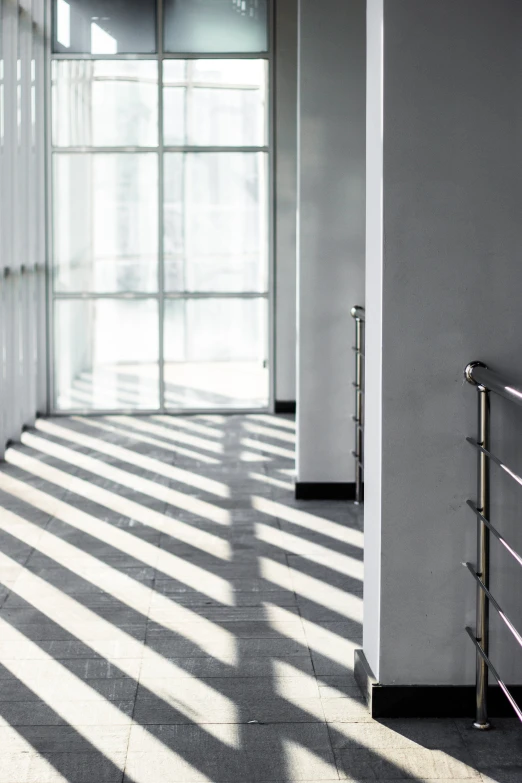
{"x":160,"y":206}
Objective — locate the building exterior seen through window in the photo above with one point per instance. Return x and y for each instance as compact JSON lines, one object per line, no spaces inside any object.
{"x":160,"y":208}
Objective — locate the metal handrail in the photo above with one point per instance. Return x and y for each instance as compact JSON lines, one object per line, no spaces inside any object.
{"x":479,"y":374}
{"x":486,"y":381}
{"x":358,"y":314}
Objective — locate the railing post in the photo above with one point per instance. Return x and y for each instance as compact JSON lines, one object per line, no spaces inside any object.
{"x":486,"y":382}
{"x":358,"y":315}
{"x":482,"y":622}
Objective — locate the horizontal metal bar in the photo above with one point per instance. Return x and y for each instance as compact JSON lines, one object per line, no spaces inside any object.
{"x":155,"y":295}
{"x":495,"y":532}
{"x":86,"y":150}
{"x":89,"y":56}
{"x":169,"y":411}
{"x":251,"y":148}
{"x":358,"y":313}
{"x":216,"y":295}
{"x":197,"y":83}
{"x":496,"y":460}
{"x":216,"y":56}
{"x":479,"y":374}
{"x":181,"y":149}
{"x":164,"y":56}
{"x":93,"y":295}
{"x":505,"y":619}
{"x":493,"y":671}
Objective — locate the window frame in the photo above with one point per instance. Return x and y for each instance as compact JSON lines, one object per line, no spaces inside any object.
{"x":162,"y":295}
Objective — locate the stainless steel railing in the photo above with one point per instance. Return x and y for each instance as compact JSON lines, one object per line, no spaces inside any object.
{"x":358,"y":315}
{"x":487,"y":381}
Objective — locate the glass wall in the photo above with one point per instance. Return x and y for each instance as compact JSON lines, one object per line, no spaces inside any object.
{"x":160,"y":181}
{"x":22,"y":216}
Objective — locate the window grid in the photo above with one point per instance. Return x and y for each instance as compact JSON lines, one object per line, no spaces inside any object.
{"x":162,"y":295}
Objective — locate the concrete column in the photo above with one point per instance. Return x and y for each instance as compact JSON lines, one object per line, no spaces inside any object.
{"x":444,"y":275}
{"x":285,"y":128}
{"x":331,"y":196}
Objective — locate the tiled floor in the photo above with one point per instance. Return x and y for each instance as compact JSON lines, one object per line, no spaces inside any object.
{"x":169,"y":613}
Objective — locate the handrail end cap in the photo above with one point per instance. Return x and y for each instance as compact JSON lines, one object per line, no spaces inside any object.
{"x":468,"y":372}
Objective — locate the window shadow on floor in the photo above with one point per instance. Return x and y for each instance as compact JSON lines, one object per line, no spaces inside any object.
{"x":156,"y":627}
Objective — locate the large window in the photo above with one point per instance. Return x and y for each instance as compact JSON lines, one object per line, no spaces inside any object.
{"x":160,"y":180}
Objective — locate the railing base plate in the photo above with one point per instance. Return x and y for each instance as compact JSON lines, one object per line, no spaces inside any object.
{"x":482,"y":726}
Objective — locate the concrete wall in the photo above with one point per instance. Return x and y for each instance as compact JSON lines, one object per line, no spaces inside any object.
{"x":331,"y":197}
{"x":285,"y":128}
{"x":443,"y":287}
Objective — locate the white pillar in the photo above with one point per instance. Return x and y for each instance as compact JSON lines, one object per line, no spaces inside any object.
{"x":444,"y":276}
{"x":331,"y":193}
{"x":285,"y":126}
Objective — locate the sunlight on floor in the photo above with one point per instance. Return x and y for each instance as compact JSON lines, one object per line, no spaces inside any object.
{"x":200,"y":539}
{"x":169,"y":612}
{"x":133,"y":458}
{"x":130,"y":480}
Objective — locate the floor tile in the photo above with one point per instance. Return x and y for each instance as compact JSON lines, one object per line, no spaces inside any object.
{"x":397,"y":733}
{"x":121,"y":689}
{"x":243,"y":671}
{"x":346,"y":709}
{"x":31,"y":713}
{"x":233,"y":753}
{"x":368,"y":763}
{"x":502,"y":774}
{"x":205,"y":667}
{"x":261,"y":709}
{"x":242,"y":629}
{"x":63,"y":739}
{"x":78,"y":768}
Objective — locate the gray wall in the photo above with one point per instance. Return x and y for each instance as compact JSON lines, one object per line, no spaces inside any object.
{"x":285,"y":128}
{"x":331,"y":197}
{"x":444,"y":281}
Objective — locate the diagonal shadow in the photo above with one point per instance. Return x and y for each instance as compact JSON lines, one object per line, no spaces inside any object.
{"x":301,"y":697}
{"x":55,"y":741}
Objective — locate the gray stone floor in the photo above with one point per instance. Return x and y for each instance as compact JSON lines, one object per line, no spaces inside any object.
{"x":169,"y":613}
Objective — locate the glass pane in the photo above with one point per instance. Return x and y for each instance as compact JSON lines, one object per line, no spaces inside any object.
{"x":215,"y":102}
{"x":105,"y":222}
{"x":105,"y":103}
{"x":106,"y":354}
{"x":216,"y":25}
{"x":216,"y":353}
{"x":104,"y":26}
{"x":216,"y":228}
{"x":174,"y":99}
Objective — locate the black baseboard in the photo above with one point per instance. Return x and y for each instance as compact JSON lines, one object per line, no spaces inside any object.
{"x":427,"y":701}
{"x":284,"y":406}
{"x":323,"y":490}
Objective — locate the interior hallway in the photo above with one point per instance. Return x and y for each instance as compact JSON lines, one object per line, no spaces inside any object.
{"x":170,"y":613}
